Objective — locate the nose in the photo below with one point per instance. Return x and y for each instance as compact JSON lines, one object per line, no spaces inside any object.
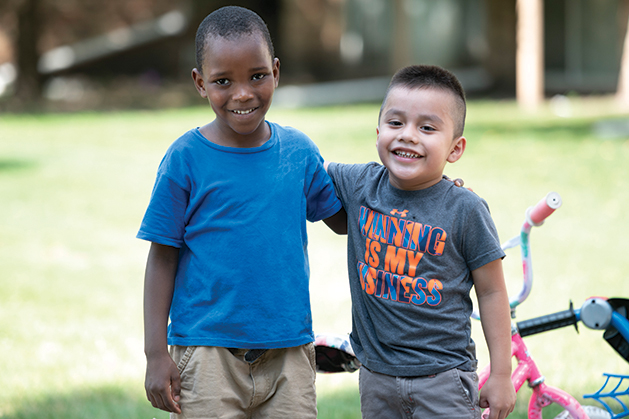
{"x":409,"y":134}
{"x":242,"y":93}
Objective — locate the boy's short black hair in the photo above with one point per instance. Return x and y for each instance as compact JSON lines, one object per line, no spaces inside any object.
{"x":432,"y":77}
{"x":230,"y":22}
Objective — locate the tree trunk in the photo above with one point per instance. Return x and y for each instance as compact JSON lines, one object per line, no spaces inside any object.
{"x":622,"y":93}
{"x":29,"y":82}
{"x":401,"y":48}
{"x":501,"y":30}
{"x":530,"y":53}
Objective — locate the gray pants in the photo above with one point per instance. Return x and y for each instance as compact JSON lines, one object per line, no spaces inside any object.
{"x":451,"y":394}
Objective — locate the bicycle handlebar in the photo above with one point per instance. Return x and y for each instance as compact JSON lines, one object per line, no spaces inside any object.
{"x":536,"y":215}
{"x":548,"y":322}
{"x":597,"y":313}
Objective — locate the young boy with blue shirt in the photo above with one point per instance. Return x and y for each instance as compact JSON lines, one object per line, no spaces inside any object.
{"x":417,"y":244}
{"x":228,"y":261}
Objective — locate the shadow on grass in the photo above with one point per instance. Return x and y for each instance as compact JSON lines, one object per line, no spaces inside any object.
{"x":345,"y":404}
{"x":95,"y":403}
{"x":11,"y":165}
{"x":110,"y":402}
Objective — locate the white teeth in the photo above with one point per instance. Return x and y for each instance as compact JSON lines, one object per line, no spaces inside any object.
{"x":407,"y":155}
{"x":242,"y":112}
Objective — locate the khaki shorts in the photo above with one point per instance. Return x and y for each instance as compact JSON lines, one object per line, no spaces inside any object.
{"x":231,"y":383}
{"x":451,"y":394}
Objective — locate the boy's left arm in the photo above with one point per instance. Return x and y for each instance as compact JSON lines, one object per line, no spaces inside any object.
{"x":498,"y":393}
{"x":337,"y":222}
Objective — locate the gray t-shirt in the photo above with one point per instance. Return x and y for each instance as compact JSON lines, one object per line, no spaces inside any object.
{"x":410,"y":258}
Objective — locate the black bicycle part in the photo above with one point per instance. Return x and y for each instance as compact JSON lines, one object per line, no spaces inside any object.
{"x":548,"y":322}
{"x":613,"y":336}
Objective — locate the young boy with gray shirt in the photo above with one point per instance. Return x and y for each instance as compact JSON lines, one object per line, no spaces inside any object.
{"x":417,"y":244}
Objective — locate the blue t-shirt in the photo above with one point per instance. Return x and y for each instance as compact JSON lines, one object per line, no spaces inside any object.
{"x":239,"y":216}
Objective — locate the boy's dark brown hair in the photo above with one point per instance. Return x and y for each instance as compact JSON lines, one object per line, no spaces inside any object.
{"x":230,"y":22}
{"x":432,"y":77}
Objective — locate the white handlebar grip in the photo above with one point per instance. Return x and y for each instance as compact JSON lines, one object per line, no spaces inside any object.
{"x":546,"y":206}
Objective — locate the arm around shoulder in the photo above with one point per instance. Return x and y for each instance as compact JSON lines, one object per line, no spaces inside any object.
{"x":337,"y":222}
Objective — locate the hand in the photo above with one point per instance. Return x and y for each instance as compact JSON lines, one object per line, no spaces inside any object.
{"x":458,"y":182}
{"x":163,"y":383}
{"x":498,"y":394}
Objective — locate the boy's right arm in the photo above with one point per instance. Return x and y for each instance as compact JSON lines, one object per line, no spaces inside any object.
{"x":493,"y":302}
{"x":162,"y":382}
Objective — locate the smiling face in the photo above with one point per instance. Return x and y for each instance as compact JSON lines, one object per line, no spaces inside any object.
{"x":238,"y":77}
{"x":416,"y":136}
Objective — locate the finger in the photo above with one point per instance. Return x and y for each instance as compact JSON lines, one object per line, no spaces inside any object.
{"x":175,"y":391}
{"x":151,"y":398}
{"x":155,"y":396}
{"x":157,"y":403}
{"x":175,"y":387}
{"x":502,"y":413}
{"x":169,"y":404}
{"x":459,"y":182}
{"x":162,"y":400}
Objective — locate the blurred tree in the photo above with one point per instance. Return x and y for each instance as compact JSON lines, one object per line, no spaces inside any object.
{"x":36,"y":26}
{"x":401,"y":40}
{"x":622,"y":93}
{"x":501,"y":36}
{"x":27,"y":30}
{"x":530,"y":53}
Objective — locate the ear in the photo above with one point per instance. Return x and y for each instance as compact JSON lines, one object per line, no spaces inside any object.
{"x":199,"y":83}
{"x":276,"y":71}
{"x":458,"y":147}
{"x":377,"y":135}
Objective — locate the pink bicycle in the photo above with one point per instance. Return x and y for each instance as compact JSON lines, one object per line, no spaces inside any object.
{"x":526,"y":370}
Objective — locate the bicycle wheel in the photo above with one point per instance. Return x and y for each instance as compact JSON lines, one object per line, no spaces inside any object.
{"x":593,"y":412}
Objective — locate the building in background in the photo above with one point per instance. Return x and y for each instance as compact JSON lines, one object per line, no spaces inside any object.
{"x":150,"y":43}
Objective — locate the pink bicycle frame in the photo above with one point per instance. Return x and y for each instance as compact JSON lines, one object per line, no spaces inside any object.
{"x":543,"y":395}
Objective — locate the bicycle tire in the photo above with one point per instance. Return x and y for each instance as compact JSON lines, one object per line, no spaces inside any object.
{"x":593,"y":412}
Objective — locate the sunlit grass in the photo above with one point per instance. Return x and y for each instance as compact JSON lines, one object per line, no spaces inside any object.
{"x":73,"y":189}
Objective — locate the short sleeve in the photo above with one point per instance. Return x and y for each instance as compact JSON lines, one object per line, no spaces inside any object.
{"x":164,"y":220}
{"x":321,"y":198}
{"x":346,"y":178}
{"x":480,"y":242}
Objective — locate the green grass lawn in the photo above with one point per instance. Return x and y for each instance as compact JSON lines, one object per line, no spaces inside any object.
{"x":73,"y":189}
